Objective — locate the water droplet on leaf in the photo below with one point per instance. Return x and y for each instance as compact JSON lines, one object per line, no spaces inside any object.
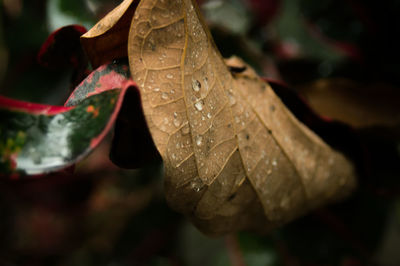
{"x":196,"y":85}
{"x":185,"y":129}
{"x":199,"y":140}
{"x":199,"y":105}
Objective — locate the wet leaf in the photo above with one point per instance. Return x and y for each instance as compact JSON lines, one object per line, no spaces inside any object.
{"x":37,"y":139}
{"x":107,"y":40}
{"x":337,"y":134}
{"x":235,"y":157}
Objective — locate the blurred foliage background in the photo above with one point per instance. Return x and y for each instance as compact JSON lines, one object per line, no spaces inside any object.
{"x":333,"y":53}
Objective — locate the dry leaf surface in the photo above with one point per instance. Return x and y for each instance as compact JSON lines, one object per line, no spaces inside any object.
{"x":235,"y":157}
{"x":107,"y":39}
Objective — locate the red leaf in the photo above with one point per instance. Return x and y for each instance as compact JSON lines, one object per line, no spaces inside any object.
{"x":62,"y":48}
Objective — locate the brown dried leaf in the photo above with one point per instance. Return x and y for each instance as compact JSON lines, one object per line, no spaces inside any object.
{"x":235,"y":157}
{"x":107,"y":40}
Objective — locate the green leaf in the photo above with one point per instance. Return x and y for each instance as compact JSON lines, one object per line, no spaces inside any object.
{"x":38,"y":139}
